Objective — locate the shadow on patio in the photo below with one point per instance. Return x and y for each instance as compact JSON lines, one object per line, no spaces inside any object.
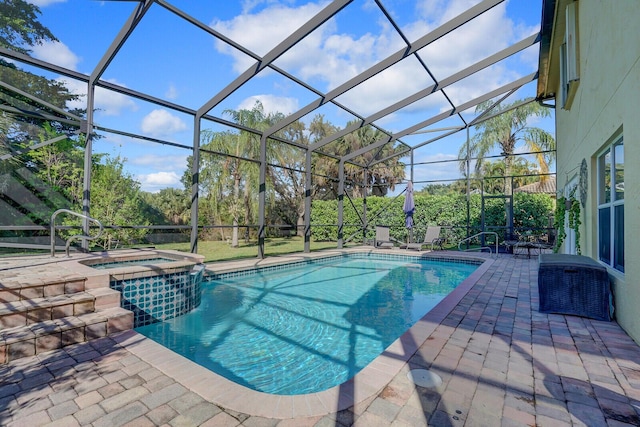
{"x":501,"y":361}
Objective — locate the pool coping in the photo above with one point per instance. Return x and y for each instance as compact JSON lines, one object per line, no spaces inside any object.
{"x":365,"y":384}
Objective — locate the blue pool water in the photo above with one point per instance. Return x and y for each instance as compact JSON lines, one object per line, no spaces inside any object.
{"x":308,"y":328}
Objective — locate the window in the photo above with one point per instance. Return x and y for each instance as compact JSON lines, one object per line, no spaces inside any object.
{"x":611,"y":206}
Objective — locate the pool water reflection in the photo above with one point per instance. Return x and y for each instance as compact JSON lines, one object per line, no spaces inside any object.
{"x":308,"y":328}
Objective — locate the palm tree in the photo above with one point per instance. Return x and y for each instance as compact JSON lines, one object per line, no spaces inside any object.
{"x":523,"y":173}
{"x":289,"y":180}
{"x":506,"y":131}
{"x":381,"y":177}
{"x":243,"y":173}
{"x":174,"y":205}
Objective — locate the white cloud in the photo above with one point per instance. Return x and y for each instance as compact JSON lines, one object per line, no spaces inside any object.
{"x":56,"y":53}
{"x":161,"y":123}
{"x":44,"y":3}
{"x":449,"y":170}
{"x":258,"y":33}
{"x":107,"y":102}
{"x":159,"y":162}
{"x":332,"y":57}
{"x":172,"y":92}
{"x":467,"y":44}
{"x":158,"y":171}
{"x":271,"y":104}
{"x":154,"y":182}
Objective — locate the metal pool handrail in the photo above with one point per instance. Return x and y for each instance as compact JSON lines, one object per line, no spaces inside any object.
{"x":78,"y":236}
{"x":482,"y":247}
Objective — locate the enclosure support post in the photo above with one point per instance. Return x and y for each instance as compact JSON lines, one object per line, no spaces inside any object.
{"x":307,"y":203}
{"x":340,"y":203}
{"x":195,"y":183}
{"x":88,"y":155}
{"x":468,"y":167}
{"x":122,"y":36}
{"x":364,"y":204}
{"x":411,"y":173}
{"x":262,"y":197}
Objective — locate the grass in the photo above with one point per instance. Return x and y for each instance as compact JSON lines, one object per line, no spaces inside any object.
{"x":222,"y":251}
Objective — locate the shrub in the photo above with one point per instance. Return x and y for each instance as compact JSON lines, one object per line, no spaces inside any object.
{"x":530,"y":211}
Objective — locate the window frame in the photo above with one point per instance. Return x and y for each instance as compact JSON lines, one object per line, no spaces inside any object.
{"x":611,"y":207}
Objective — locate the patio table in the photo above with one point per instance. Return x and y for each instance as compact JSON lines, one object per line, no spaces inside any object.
{"x":520,"y":246}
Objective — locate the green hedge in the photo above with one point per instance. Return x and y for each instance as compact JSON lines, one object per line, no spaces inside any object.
{"x":530,"y":211}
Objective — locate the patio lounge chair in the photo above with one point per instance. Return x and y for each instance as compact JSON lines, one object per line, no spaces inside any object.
{"x":383,"y":240}
{"x":431,"y":237}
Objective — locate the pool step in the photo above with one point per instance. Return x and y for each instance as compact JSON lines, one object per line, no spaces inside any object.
{"x":45,"y":307}
{"x":36,"y":338}
{"x":28,"y":311}
{"x":38,"y":285}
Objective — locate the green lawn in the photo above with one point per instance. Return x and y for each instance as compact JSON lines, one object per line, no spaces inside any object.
{"x":222,"y":251}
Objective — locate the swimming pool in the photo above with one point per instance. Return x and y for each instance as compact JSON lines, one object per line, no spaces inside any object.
{"x":311,"y":327}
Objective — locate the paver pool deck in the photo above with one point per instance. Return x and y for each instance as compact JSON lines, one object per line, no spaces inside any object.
{"x":502,"y":363}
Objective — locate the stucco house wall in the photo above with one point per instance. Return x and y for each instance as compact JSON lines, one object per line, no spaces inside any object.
{"x":606,"y":105}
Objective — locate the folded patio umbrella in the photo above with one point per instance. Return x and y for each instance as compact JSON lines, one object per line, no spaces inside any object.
{"x":409,"y":207}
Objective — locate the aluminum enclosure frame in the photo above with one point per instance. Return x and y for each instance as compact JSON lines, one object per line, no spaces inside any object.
{"x":93,"y":80}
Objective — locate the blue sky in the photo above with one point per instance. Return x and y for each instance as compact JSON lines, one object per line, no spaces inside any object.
{"x":170,"y":59}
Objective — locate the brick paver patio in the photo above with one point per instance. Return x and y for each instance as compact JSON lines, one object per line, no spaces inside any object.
{"x":501,"y":363}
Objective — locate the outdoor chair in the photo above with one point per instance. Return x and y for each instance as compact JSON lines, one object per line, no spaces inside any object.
{"x":431,"y":237}
{"x":383,"y":240}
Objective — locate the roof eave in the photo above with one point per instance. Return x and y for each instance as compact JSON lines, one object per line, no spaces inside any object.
{"x":546,"y":47}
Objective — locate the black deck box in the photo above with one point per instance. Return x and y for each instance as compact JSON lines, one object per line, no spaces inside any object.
{"x":573,"y":284}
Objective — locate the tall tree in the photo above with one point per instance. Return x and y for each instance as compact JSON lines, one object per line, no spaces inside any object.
{"x":382,"y":177}
{"x":20,"y":30}
{"x":323,"y":183}
{"x":507,"y":130}
{"x":228,"y":177}
{"x":116,"y":200}
{"x":172,"y":203}
{"x":288,"y":180}
{"x":59,"y":165}
{"x":495,"y":178}
{"x":244,"y":173}
{"x":19,"y":26}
